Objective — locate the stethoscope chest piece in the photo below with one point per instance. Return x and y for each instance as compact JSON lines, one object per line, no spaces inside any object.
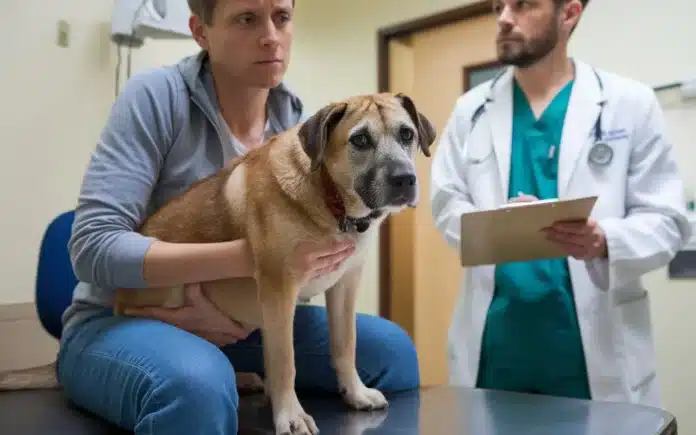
{"x":601,"y":154}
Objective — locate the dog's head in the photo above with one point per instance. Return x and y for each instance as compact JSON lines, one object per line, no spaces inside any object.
{"x":368,"y":145}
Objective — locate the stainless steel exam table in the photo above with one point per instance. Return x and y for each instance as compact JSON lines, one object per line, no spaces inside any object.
{"x":431,"y":411}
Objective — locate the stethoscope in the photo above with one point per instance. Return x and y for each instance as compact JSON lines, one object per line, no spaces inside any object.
{"x":601,"y":154}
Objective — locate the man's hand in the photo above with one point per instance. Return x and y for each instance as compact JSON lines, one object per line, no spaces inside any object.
{"x":200,"y":317}
{"x":583,"y":240}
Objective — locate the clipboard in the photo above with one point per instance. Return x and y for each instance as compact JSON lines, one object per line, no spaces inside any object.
{"x":513,"y":232}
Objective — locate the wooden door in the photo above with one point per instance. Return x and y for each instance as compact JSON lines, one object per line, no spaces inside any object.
{"x":432,"y":66}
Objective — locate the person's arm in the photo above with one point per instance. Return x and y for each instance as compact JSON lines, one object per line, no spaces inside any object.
{"x":449,"y":195}
{"x":656,"y":225}
{"x":105,"y":247}
{"x":170,"y":264}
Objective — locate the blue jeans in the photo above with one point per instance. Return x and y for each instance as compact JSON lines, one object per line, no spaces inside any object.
{"x":152,"y":378}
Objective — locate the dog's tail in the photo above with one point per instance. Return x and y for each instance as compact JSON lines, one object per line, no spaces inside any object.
{"x":34,"y":378}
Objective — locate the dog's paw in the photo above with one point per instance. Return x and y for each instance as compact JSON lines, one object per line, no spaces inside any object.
{"x":364,"y":399}
{"x":291,"y":419}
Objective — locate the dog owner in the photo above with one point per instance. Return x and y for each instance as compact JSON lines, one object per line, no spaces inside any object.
{"x":168,"y":128}
{"x":552,"y":126}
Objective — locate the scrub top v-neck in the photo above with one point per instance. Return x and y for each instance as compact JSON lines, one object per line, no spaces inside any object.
{"x":531,"y":339}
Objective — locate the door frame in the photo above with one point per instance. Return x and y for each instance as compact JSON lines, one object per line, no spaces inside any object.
{"x":384,"y":36}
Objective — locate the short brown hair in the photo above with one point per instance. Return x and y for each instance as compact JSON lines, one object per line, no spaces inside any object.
{"x":204,"y":9}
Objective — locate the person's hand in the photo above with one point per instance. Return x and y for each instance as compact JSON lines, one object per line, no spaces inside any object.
{"x":583,"y":240}
{"x":199,"y":317}
{"x":314,"y":259}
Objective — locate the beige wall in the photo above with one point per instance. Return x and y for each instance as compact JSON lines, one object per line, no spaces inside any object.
{"x":49,"y":130}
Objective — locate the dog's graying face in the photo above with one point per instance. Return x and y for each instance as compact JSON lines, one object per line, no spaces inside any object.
{"x":368,"y":145}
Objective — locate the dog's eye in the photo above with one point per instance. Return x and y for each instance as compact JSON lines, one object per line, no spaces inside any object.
{"x":360,"y":140}
{"x":406,"y":134}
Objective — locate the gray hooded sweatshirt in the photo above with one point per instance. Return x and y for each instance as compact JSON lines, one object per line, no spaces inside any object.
{"x":164,"y":132}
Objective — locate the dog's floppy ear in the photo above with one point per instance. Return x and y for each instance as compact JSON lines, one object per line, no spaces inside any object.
{"x":316,"y":131}
{"x":426,"y":131}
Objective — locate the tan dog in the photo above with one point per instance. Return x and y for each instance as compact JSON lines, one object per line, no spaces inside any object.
{"x":335,"y":176}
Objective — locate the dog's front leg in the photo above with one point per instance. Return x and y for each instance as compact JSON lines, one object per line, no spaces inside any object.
{"x":278,"y":296}
{"x":341,"y":311}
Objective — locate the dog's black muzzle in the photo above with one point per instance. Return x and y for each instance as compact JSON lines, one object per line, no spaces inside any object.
{"x":402,"y":184}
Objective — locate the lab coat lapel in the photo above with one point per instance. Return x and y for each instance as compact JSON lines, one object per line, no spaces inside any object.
{"x":578,"y":129}
{"x":501,"y":127}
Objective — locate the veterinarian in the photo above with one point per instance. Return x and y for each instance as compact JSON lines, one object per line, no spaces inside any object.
{"x":170,"y":127}
{"x":552,"y":126}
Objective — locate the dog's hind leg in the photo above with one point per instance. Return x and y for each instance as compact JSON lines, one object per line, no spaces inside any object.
{"x":341,"y":311}
{"x":249,"y":383}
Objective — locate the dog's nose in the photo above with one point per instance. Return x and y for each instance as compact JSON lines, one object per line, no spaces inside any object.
{"x":402,"y":184}
{"x":402,"y":180}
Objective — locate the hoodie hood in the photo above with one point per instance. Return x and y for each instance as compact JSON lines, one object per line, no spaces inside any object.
{"x":287,"y":107}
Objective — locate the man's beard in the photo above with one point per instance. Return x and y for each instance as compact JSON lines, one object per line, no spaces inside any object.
{"x":524,"y":54}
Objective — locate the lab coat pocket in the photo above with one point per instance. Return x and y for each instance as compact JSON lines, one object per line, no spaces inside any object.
{"x":479,"y":152}
{"x":480,"y":167}
{"x":635,"y":328}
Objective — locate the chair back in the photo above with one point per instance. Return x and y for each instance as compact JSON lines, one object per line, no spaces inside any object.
{"x":55,"y":279}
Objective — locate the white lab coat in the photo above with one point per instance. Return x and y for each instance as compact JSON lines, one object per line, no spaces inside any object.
{"x":641,"y":208}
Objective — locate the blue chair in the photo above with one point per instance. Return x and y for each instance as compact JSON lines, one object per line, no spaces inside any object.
{"x":55,"y":279}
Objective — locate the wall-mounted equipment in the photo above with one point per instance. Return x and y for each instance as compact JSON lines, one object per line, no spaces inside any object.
{"x":134,"y":21}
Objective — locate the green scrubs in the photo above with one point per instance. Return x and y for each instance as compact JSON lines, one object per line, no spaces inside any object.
{"x":531,"y":340}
